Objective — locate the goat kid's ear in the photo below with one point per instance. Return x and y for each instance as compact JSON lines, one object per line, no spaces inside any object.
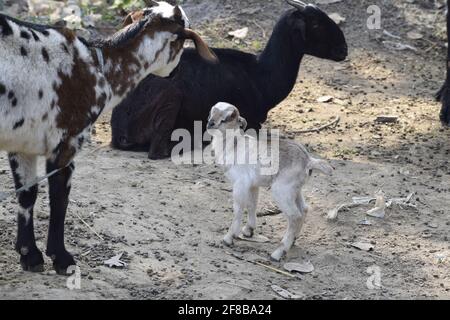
{"x":242,"y":123}
{"x":231,"y":116}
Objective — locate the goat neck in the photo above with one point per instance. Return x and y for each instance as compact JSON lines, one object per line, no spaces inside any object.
{"x":279,"y":64}
{"x":126,"y":66}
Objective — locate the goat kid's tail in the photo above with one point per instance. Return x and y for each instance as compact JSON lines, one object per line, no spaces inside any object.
{"x":320,"y":165}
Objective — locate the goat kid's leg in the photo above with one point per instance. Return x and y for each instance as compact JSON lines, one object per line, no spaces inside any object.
{"x":24,"y":172}
{"x":250,"y":227}
{"x":304,"y":209}
{"x":286,"y":197}
{"x":59,"y":189}
{"x":241,"y":196}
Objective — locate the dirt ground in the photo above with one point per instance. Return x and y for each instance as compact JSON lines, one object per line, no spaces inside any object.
{"x":169,"y":220}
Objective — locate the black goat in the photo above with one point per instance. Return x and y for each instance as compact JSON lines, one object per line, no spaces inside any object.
{"x":255,"y":84}
{"x":444,"y":94}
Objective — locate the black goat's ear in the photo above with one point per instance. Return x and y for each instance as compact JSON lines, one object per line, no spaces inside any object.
{"x":300,"y":25}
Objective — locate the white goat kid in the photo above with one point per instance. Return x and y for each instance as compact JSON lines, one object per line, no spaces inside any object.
{"x":294,"y":167}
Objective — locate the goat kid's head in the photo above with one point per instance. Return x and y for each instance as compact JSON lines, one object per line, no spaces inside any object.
{"x":171,"y":19}
{"x":321,"y":35}
{"x":225,"y":116}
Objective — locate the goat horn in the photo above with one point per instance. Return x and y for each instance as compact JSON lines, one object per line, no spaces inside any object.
{"x":297,"y":4}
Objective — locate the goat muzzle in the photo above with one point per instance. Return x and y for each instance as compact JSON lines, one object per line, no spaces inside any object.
{"x":202,"y":48}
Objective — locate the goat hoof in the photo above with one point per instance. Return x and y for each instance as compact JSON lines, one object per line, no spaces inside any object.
{"x":32,"y":261}
{"x":62,"y":261}
{"x":228,"y":241}
{"x":159,"y":155}
{"x":277,"y":255}
{"x":445,"y":117}
{"x":248,"y":232}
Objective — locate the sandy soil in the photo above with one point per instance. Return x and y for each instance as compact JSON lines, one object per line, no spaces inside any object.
{"x":169,"y":220}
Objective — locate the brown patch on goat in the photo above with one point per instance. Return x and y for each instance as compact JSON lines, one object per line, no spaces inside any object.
{"x":120,"y":81}
{"x":68,"y":34}
{"x":75,"y":113}
{"x":45,"y":55}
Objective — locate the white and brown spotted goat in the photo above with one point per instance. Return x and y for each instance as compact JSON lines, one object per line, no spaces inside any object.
{"x":53,"y":87}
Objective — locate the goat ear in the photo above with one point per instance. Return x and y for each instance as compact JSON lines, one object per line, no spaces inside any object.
{"x":242,"y":123}
{"x":177,"y":13}
{"x":128,"y":20}
{"x":133,"y":17}
{"x":300,"y":25}
{"x":231,"y":116}
{"x":202,"y":48}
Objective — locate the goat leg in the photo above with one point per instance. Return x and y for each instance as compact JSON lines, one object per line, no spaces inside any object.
{"x":160,"y":147}
{"x":24,"y":170}
{"x":249,"y":228}
{"x":59,"y":189}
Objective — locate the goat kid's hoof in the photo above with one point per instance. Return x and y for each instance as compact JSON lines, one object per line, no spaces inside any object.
{"x":61,"y":262}
{"x":248,"y":232}
{"x":31,"y":260}
{"x":278,"y":254}
{"x":228,"y":241}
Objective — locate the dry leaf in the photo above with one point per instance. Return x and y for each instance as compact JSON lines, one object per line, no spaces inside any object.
{"x":398,"y":46}
{"x":240,"y":34}
{"x":413,"y":35}
{"x":116,"y":262}
{"x":325,"y":99}
{"x":380,"y":207}
{"x":363,"y":246}
{"x":327,"y":1}
{"x":337,"y":18}
{"x":363,"y":200}
{"x":257,"y":238}
{"x":306,"y":267}
{"x":286,"y":294}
